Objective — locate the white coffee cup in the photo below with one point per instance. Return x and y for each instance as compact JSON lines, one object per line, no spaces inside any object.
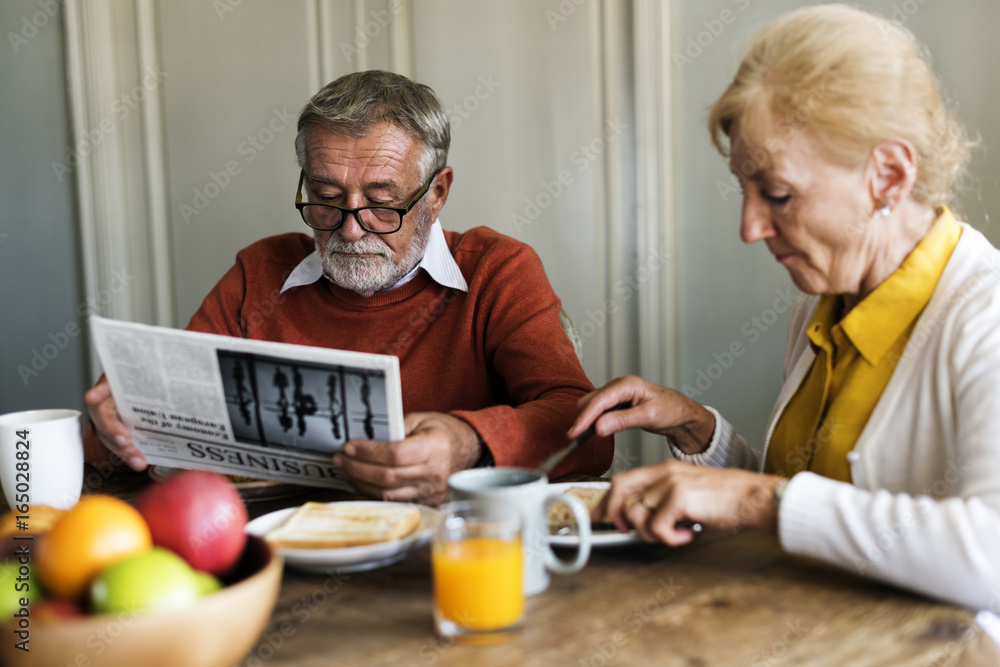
{"x":41,"y":458}
{"x":528,"y":491}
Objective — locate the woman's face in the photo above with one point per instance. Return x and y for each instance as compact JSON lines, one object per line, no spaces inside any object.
{"x":812,"y":213}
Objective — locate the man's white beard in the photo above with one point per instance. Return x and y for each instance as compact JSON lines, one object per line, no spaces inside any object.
{"x":377,"y":272}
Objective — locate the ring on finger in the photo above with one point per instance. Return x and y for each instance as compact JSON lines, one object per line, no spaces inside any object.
{"x":639,"y":499}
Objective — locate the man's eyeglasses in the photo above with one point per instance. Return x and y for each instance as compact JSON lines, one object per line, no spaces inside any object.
{"x":374,"y":219}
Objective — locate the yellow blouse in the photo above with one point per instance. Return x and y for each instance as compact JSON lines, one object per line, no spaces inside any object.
{"x":855,"y":357}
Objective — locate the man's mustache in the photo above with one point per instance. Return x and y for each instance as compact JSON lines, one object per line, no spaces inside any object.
{"x":359,"y":247}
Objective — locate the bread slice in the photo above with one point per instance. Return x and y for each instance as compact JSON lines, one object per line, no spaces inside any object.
{"x":560,"y":516}
{"x":336,"y":525}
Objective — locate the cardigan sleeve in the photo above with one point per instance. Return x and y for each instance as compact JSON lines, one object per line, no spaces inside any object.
{"x":728,"y":449}
{"x":947,"y":548}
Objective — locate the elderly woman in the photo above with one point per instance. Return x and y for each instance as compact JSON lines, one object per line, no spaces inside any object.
{"x":882,"y":454}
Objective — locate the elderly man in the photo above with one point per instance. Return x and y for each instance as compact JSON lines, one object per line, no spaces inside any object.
{"x":489,"y":376}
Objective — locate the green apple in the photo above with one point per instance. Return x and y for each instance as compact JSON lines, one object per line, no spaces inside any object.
{"x":16,"y":584}
{"x":157,"y":579}
{"x":207,"y":583}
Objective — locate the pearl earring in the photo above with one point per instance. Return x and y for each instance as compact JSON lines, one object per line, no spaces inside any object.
{"x":885,"y":211}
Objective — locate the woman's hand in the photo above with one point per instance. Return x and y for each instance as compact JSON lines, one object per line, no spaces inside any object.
{"x":654,"y":408}
{"x":654,"y":499}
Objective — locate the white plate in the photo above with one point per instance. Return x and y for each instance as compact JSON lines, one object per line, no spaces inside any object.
{"x":600,"y":538}
{"x":351,"y":559}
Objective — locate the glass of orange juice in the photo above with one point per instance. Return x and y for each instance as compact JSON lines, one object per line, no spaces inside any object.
{"x":478,"y":567}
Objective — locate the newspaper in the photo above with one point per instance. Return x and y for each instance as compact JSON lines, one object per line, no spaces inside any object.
{"x":246,"y":407}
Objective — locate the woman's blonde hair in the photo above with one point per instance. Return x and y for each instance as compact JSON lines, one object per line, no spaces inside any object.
{"x":851,"y":79}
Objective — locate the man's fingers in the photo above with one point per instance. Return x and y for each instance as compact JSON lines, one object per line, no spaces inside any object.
{"x":360,"y":470}
{"x":97,"y":393}
{"x":109,"y":427}
{"x":406,"y":452}
{"x":394,"y":484}
{"x":381,"y":475}
{"x":128,"y":452}
{"x":414,"y":421}
{"x":115,"y":437}
{"x":415,"y":468}
{"x":115,"y":431}
{"x":401,"y":495}
{"x":134,"y":458}
{"x":104,"y":415}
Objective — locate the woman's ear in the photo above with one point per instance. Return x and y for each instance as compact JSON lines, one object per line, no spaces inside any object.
{"x":893,"y":172}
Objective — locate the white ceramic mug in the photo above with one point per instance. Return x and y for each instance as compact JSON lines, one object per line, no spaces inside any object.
{"x":528,"y":491}
{"x":41,"y":458}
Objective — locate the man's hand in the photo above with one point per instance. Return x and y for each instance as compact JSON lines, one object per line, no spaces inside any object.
{"x":654,"y":499}
{"x":110,"y":428}
{"x":416,"y":468}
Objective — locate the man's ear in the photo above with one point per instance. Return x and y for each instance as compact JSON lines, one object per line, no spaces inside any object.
{"x":893,"y":172}
{"x":438,"y":193}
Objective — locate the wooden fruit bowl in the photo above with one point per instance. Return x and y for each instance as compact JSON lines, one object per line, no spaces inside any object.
{"x":217,"y":631}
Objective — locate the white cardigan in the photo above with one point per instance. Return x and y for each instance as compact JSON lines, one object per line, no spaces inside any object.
{"x":923,"y":511}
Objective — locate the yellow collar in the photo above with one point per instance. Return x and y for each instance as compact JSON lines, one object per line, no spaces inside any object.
{"x":878,"y":320}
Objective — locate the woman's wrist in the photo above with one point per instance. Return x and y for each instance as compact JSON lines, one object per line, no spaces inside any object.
{"x":693,"y":435}
{"x":767,"y":498}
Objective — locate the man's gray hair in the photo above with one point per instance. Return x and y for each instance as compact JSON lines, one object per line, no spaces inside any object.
{"x":354,"y":103}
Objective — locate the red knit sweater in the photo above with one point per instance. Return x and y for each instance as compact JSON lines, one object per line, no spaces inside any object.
{"x":495,"y":356}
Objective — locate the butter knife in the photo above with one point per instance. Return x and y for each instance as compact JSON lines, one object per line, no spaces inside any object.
{"x":554,"y":460}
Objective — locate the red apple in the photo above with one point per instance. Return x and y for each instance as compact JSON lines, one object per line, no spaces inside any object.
{"x":198,"y":515}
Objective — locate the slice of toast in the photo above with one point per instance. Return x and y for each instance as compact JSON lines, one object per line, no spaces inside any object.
{"x":560,"y":516}
{"x":336,"y":525}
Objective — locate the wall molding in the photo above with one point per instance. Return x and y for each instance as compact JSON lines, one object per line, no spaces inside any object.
{"x":604,"y":253}
{"x":111,"y":60}
{"x":401,"y":40}
{"x":655,"y":201}
{"x":153,"y":144}
{"x":86,"y":214}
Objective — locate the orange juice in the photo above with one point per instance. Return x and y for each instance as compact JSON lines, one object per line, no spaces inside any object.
{"x":478,"y":582}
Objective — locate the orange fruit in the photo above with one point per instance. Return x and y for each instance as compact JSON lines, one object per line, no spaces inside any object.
{"x":97,"y":532}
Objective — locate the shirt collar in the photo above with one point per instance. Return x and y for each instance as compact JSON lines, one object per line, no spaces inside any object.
{"x":875,"y":324}
{"x":437,"y":261}
{"x":879,"y":319}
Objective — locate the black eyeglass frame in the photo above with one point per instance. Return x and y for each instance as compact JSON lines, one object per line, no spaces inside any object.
{"x":356,"y":212}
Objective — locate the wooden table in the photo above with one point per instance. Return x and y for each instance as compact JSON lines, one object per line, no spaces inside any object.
{"x":727,"y":599}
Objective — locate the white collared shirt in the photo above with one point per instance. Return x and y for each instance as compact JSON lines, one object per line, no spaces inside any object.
{"x":437,"y":261}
